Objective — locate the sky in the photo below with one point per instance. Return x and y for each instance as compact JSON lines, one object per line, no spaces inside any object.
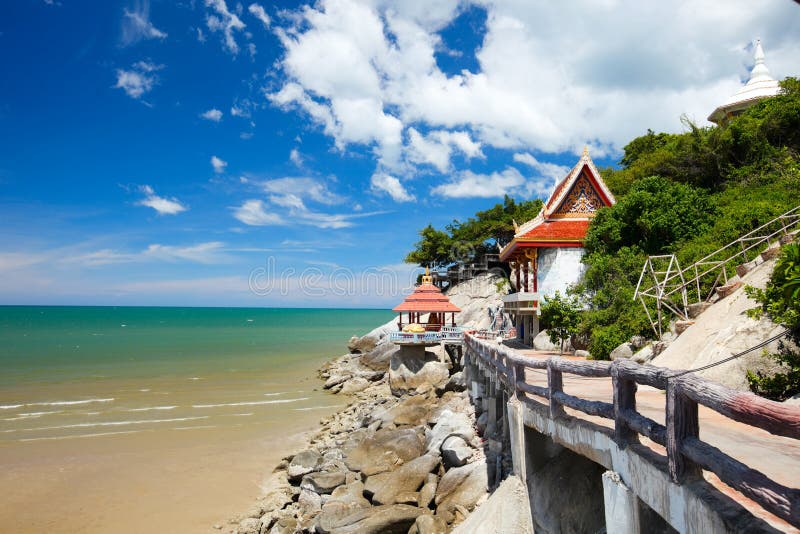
{"x":217,"y":153}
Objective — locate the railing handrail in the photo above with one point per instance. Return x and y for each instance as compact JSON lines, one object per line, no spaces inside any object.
{"x":686,"y":453}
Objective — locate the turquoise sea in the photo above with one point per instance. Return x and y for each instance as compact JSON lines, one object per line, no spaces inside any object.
{"x":157,"y":414}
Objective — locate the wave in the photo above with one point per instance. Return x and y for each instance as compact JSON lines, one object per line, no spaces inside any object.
{"x":249,"y":403}
{"x":111,"y":423}
{"x":151,"y":408}
{"x":312,"y":408}
{"x":83,"y":435}
{"x":192,"y":427}
{"x":275,"y":394}
{"x":31,"y":415}
{"x":54,"y":403}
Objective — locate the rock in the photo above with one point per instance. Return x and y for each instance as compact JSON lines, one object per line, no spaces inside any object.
{"x":323,"y":482}
{"x":461,"y":486}
{"x":248,"y":526}
{"x":681,"y":326}
{"x":310,"y":501}
{"x":637,"y":342}
{"x":644,"y":355}
{"x":344,"y":501}
{"x":455,"y":451}
{"x":623,"y":351}
{"x":428,"y":491}
{"x":580,"y":341}
{"x":415,"y":371}
{"x":385,"y":487}
{"x":428,"y":524}
{"x":413,"y":411}
{"x":456,"y":382}
{"x":507,"y":510}
{"x":449,"y":423}
{"x":302,"y":464}
{"x":378,"y":358}
{"x":355,"y":385}
{"x":542,"y":342}
{"x":724,"y":291}
{"x":335,"y":380}
{"x":386,"y":519}
{"x":366,"y":343}
{"x":407,"y":497}
{"x":482,"y":422}
{"x":284,"y":525}
{"x":385,"y":451}
{"x":696,"y":308}
{"x":583,"y":354}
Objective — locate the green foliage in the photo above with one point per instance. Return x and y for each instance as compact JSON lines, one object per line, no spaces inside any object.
{"x":561,"y":315}
{"x":687,"y":194}
{"x":780,"y":301}
{"x":462,"y":241}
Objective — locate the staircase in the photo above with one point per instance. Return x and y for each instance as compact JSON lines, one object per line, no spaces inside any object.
{"x":687,"y":292}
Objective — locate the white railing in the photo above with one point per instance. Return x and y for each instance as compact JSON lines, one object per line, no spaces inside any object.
{"x":452,"y":333}
{"x":415,"y":337}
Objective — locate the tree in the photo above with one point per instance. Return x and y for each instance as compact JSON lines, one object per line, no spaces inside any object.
{"x":561,"y":315}
{"x":434,"y":248}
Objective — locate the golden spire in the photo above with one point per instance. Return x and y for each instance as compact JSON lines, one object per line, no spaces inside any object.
{"x":585,"y":151}
{"x":427,"y":279}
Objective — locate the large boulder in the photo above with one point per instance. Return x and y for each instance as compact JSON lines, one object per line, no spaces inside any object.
{"x":461,"y":486}
{"x":413,"y":371}
{"x":303,"y":463}
{"x":385,"y":451}
{"x":369,"y":341}
{"x":386,"y":519}
{"x":386,"y":487}
{"x":354,"y":385}
{"x":428,"y":524}
{"x":413,"y":411}
{"x":455,"y":451}
{"x":378,"y":358}
{"x":343,"y":502}
{"x":323,"y":482}
{"x":449,"y":423}
{"x":542,"y":342}
{"x":508,"y":510}
{"x":622,"y":351}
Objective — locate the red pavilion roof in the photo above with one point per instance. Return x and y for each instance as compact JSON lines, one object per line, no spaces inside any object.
{"x":558,"y":230}
{"x":426,"y":298}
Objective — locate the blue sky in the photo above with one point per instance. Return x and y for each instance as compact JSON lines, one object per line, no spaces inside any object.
{"x":187,"y":153}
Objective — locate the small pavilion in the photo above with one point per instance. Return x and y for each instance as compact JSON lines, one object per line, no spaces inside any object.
{"x":427,"y":299}
{"x":761,"y":85}
{"x":545,"y":254}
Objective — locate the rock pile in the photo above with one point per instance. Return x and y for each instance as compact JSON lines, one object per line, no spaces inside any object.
{"x":409,"y":464}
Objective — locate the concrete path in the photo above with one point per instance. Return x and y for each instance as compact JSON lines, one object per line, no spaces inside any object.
{"x":777,"y":457}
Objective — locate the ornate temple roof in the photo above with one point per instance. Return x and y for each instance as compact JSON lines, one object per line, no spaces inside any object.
{"x":564,"y":218}
{"x":426,"y":298}
{"x":760,"y":85}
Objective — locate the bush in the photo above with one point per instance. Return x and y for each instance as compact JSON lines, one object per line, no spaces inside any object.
{"x":561,"y":316}
{"x":780,"y":301}
{"x":605,"y":339}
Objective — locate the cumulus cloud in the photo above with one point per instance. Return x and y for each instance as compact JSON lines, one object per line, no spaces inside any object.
{"x":258,"y":12}
{"x":213,"y":115}
{"x":385,"y":183}
{"x":283,"y":209}
{"x":367,"y":73}
{"x":164,"y":206}
{"x":209,"y":253}
{"x":295,"y":157}
{"x":469,"y":184}
{"x":549,"y":174}
{"x":136,"y":25}
{"x":139,"y":79}
{"x":218,"y":164}
{"x":254,"y":213}
{"x":302,"y":187}
{"x":224,"y":21}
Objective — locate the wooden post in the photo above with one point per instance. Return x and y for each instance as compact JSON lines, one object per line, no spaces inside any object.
{"x":516,"y":268}
{"x":682,"y":423}
{"x":624,"y":400}
{"x":525,"y":272}
{"x":517,"y":374}
{"x":555,"y":382}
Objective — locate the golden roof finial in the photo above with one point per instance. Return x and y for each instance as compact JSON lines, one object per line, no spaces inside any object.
{"x":427,"y":279}
{"x":585,"y":151}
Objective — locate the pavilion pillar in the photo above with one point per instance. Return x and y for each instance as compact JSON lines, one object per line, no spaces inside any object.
{"x":525,"y":272}
{"x":516,"y":268}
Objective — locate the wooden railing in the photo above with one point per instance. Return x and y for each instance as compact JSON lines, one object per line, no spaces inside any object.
{"x":687,"y":454}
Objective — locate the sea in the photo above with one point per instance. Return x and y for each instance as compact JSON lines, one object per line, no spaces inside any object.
{"x":133,"y":418}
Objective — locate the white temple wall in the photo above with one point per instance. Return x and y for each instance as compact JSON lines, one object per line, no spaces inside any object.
{"x":559,"y":268}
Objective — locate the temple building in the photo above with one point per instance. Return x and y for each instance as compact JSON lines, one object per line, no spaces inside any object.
{"x":427,"y":303}
{"x":545,"y":254}
{"x":761,"y":85}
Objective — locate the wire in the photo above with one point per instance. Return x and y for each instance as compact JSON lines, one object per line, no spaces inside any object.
{"x":733,"y":357}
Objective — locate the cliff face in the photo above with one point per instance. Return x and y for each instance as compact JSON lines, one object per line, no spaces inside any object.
{"x":723,"y":330}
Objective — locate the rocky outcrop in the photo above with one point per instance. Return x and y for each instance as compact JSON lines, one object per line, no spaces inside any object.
{"x":416,"y":371}
{"x":542,"y":342}
{"x":507,"y":510}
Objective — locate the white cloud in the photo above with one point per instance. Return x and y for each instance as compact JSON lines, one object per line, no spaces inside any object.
{"x":469,"y":184}
{"x":226,"y":22}
{"x":136,"y":25}
{"x":367,"y":73}
{"x":295,"y":157}
{"x":302,"y":187}
{"x":386,"y":183}
{"x":139,"y":79}
{"x":258,"y":12}
{"x":164,"y":206}
{"x":550,"y":174}
{"x":210,"y":252}
{"x":212,"y":114}
{"x":218,"y":164}
{"x":254,"y":213}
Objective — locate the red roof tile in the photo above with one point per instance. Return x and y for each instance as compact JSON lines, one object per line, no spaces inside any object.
{"x":557,"y":230}
{"x":426,"y":298}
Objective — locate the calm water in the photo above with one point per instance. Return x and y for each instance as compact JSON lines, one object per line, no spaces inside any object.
{"x":97,"y":404}
{"x":72,"y":371}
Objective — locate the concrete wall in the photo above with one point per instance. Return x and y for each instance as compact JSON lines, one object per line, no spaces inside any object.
{"x":559,"y":268}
